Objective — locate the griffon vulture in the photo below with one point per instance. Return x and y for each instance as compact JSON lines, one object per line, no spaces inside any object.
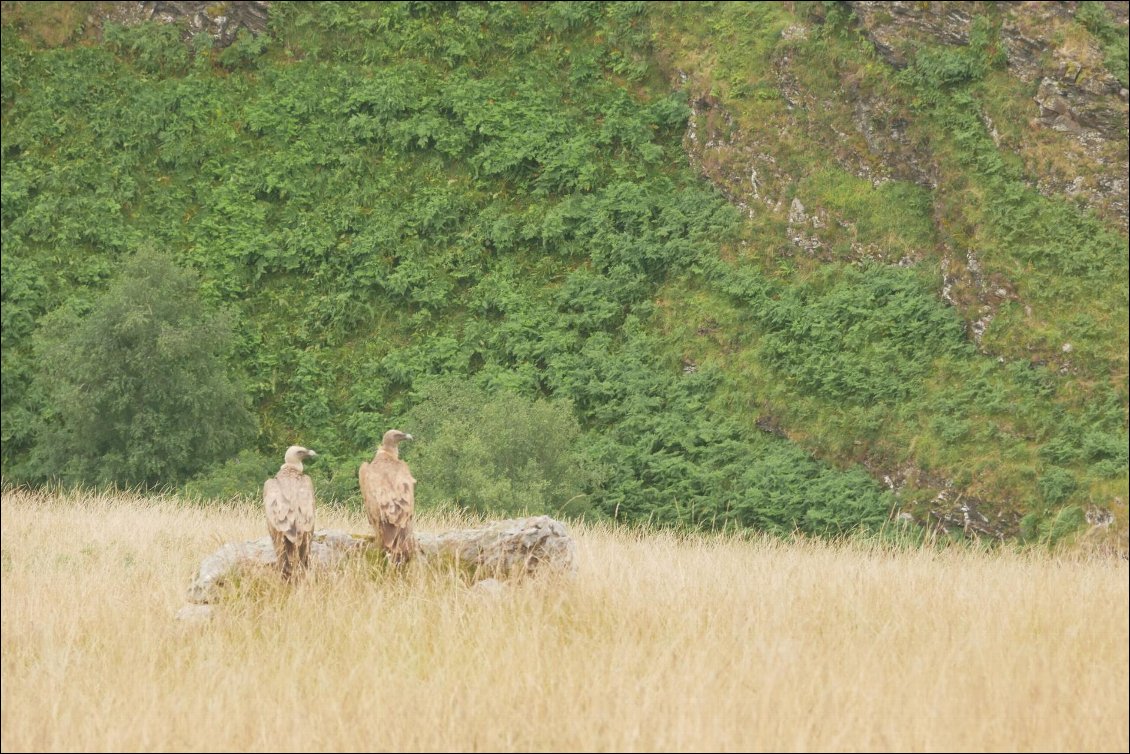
{"x":389,"y":491}
{"x":289,"y":500}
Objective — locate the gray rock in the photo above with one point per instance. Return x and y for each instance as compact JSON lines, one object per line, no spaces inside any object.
{"x":514,"y":547}
{"x":503,"y":549}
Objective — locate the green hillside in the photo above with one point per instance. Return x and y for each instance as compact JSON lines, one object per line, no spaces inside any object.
{"x":673,"y":244}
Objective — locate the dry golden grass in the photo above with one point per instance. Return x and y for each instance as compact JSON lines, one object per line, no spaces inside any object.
{"x":658,"y":642}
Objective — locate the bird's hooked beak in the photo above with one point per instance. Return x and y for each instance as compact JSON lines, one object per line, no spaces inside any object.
{"x":408,"y":436}
{"x":311,"y":454}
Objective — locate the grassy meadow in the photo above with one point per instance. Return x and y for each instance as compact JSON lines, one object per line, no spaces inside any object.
{"x":658,"y":642}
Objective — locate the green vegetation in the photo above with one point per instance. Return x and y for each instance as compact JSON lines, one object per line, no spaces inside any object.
{"x":1116,"y":47}
{"x":857,"y":358}
{"x":495,"y":199}
{"x":135,"y":390}
{"x":500,"y":453}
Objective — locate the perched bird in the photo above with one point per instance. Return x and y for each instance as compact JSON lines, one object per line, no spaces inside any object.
{"x":289,"y":500}
{"x":389,"y":490}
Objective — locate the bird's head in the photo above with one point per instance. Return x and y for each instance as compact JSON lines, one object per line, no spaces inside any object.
{"x":296,"y":455}
{"x":389,"y":447}
{"x":394,"y":436}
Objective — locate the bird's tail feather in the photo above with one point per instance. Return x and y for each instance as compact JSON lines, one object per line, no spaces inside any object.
{"x":292,"y":560}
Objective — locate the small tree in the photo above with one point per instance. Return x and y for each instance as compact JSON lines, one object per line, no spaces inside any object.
{"x":497,"y":453}
{"x":138,"y":390}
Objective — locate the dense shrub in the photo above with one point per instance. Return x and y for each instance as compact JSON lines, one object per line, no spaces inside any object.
{"x":137,"y":390}
{"x":499,"y":452}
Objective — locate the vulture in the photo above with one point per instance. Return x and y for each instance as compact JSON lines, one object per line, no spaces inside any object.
{"x":289,"y":500}
{"x":389,"y":490}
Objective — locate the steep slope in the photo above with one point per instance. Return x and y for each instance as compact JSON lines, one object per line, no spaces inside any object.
{"x":908,"y":140}
{"x":885,"y":297}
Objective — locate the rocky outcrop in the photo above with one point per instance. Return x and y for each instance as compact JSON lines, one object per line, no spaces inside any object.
{"x":896,"y":28}
{"x":223,"y":21}
{"x":1077,"y":146}
{"x":868,"y":133}
{"x":504,"y":549}
{"x":514,"y":547}
{"x":741,"y":165}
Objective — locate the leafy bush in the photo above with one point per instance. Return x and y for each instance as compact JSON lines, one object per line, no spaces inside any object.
{"x":155,"y":47}
{"x":244,"y":51}
{"x":497,"y":453}
{"x":137,"y":390}
{"x":870,"y":337}
{"x":1052,"y":528}
{"x":1056,"y":484}
{"x":936,"y":69}
{"x":241,"y":476}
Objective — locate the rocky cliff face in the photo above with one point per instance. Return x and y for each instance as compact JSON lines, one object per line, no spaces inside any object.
{"x":223,"y":21}
{"x":1075,"y":144}
{"x":1071,"y":137}
{"x":1077,"y":107}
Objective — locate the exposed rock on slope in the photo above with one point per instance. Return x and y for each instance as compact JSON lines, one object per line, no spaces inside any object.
{"x":222,"y":21}
{"x":1078,"y":108}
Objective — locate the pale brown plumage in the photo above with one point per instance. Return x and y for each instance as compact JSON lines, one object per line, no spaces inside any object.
{"x":289,"y":501}
{"x":389,"y":490}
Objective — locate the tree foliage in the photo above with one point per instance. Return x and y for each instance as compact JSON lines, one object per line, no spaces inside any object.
{"x":497,"y":452}
{"x":137,"y":390}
